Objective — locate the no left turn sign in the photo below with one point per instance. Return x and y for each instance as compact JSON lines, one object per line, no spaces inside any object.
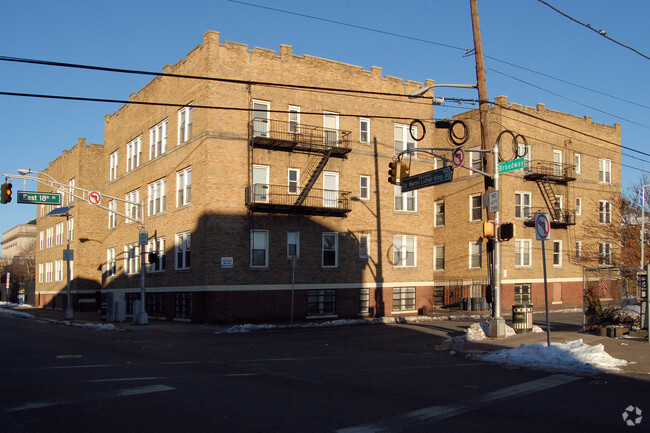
{"x":94,"y":197}
{"x":542,"y":226}
{"x":458,"y":157}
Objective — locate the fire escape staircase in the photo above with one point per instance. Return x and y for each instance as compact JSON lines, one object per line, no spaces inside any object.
{"x":549,"y":176}
{"x":552,"y":203}
{"x":314,"y":176}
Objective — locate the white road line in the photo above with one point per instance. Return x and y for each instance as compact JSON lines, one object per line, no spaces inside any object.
{"x":409,"y":419}
{"x":91,"y":397}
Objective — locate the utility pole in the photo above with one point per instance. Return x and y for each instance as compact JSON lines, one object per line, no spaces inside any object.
{"x":497,"y":324}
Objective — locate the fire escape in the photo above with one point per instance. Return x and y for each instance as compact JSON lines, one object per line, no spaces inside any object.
{"x":553,"y":180}
{"x":320,"y":144}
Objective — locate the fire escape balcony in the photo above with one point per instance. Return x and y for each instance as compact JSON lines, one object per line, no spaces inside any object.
{"x":560,"y":218}
{"x":550,"y":171}
{"x":292,"y":136}
{"x":551,"y":178}
{"x":285,"y":199}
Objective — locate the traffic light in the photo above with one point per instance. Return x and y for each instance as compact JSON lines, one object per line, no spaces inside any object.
{"x":488,"y":229}
{"x":392,"y":172}
{"x":506,"y":231}
{"x":6,"y":193}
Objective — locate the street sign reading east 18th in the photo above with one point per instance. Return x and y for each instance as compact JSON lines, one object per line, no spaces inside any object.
{"x":433,"y":177}
{"x":34,"y":197}
{"x":515,"y":164}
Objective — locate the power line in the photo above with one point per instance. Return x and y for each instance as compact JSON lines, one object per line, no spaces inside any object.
{"x":601,"y":32}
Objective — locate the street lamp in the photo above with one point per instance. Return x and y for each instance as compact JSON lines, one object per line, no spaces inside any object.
{"x":67,"y":254}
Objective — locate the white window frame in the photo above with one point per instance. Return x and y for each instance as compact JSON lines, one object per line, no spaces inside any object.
{"x":70,"y":229}
{"x":157,"y":201}
{"x":405,"y":201}
{"x":48,"y":272}
{"x":604,"y":212}
{"x":472,"y":207}
{"x":364,"y":246}
{"x":132,"y":210}
{"x":261,"y":127}
{"x":403,"y":140}
{"x":403,"y":257}
{"x":41,"y":243}
{"x":364,"y":131}
{"x":293,"y":243}
{"x":557,"y":254}
{"x":325,"y":248}
{"x":58,"y":270}
{"x":523,"y":253}
{"x":475,"y":160}
{"x":294,"y":119}
{"x":578,"y":206}
{"x":475,"y":251}
{"x":184,"y":187}
{"x":404,"y":299}
{"x":258,"y":237}
{"x":330,"y":134}
{"x":114,"y":159}
{"x":523,"y":210}
{"x":40,"y":272}
{"x":71,"y":190}
{"x":605,"y":170}
{"x":293,"y":181}
{"x":134,"y":154}
{"x":131,"y":259}
{"x":364,"y":187}
{"x":182,"y":250}
{"x":111,"y":264}
{"x":439,"y":213}
{"x":112,"y":216}
{"x":185,"y":119}
{"x":157,"y":245}
{"x":605,"y":253}
{"x":578,"y":163}
{"x":578,"y":251}
{"x":50,"y":236}
{"x":438,"y":256}
{"x":158,"y":140}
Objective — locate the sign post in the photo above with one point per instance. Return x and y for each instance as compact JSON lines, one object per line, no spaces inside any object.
{"x":543,"y":233}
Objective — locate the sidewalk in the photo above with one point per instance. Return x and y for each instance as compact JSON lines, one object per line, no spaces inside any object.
{"x":444,"y":324}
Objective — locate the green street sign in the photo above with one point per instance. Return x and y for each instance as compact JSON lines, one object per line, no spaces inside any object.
{"x":34,"y":197}
{"x":515,"y":164}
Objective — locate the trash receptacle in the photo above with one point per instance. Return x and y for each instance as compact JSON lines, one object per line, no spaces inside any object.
{"x":522,"y":318}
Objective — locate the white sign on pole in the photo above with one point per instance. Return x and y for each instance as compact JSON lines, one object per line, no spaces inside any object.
{"x":493,"y":205}
{"x":543,"y":226}
{"x":458,"y":157}
{"x":144,"y":238}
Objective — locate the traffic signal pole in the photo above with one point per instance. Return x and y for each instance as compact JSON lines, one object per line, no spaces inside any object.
{"x":497,"y":324}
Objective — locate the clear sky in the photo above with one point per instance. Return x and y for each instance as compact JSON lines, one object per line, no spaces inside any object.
{"x":533,"y":55}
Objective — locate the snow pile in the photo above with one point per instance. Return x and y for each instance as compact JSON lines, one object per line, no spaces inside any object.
{"x":13,"y":313}
{"x":572,"y":356}
{"x":240,"y":329}
{"x":481,"y":331}
{"x":21,"y":315}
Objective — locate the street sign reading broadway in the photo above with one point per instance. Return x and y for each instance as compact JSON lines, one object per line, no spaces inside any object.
{"x":34,"y":197}
{"x":515,"y":164}
{"x":433,"y":177}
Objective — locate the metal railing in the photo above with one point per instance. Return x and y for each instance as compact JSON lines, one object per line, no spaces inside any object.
{"x":265,"y":195}
{"x":316,"y":137}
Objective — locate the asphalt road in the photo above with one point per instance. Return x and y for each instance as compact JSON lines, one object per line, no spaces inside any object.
{"x":345,"y":379}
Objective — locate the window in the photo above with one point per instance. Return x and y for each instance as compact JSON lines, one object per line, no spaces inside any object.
{"x":321,"y":302}
{"x":406,"y":201}
{"x":184,"y":187}
{"x":439,"y":258}
{"x":476,"y":160}
{"x":604,"y":253}
{"x":557,"y":253}
{"x":364,"y":246}
{"x":50,"y":237}
{"x":578,"y":163}
{"x":40,"y":272}
{"x":523,"y":205}
{"x":71,"y":229}
{"x":475,"y":210}
{"x":364,"y":187}
{"x":112,"y":216}
{"x":605,"y":213}
{"x":112,"y":173}
{"x":158,"y":140}
{"x":71,"y":190}
{"x":439,"y":213}
{"x":330,"y":250}
{"x":330,"y":189}
{"x":578,"y":250}
{"x":158,"y":264}
{"x":133,"y":206}
{"x":110,"y":262}
{"x":331,"y":129}
{"x":294,"y":119}
{"x":293,"y":244}
{"x":522,"y":294}
{"x":578,"y":206}
{"x":403,"y":139}
{"x":184,"y":124}
{"x":133,"y":154}
{"x":364,"y":302}
{"x":523,"y":248}
{"x":48,"y":272}
{"x":157,"y":197}
{"x":404,"y":251}
{"x":41,"y":243}
{"x":261,"y":118}
{"x":58,"y":270}
{"x":183,"y":250}
{"x":364,"y":131}
{"x":294,"y":180}
{"x":259,"y":249}
{"x":260,"y":183}
{"x":605,"y":170}
{"x":557,"y":163}
{"x":524,"y":149}
{"x":475,"y":258}
{"x":131,"y":259}
{"x":183,"y":305}
{"x":403,"y":298}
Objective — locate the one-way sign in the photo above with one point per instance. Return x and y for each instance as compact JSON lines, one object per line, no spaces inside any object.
{"x":429,"y":178}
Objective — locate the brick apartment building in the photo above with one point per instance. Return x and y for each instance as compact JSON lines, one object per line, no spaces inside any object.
{"x":237,"y":176}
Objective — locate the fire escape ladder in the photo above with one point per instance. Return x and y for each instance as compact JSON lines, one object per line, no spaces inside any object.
{"x":314,"y":176}
{"x":552,"y":203}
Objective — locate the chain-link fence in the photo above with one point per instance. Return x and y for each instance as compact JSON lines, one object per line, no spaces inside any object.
{"x":610,"y":298}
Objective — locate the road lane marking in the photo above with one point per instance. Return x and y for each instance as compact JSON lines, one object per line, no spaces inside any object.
{"x":411,"y":419}
{"x":127,"y":392}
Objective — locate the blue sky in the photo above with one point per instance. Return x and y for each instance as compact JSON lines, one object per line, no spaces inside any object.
{"x":147,"y":35}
